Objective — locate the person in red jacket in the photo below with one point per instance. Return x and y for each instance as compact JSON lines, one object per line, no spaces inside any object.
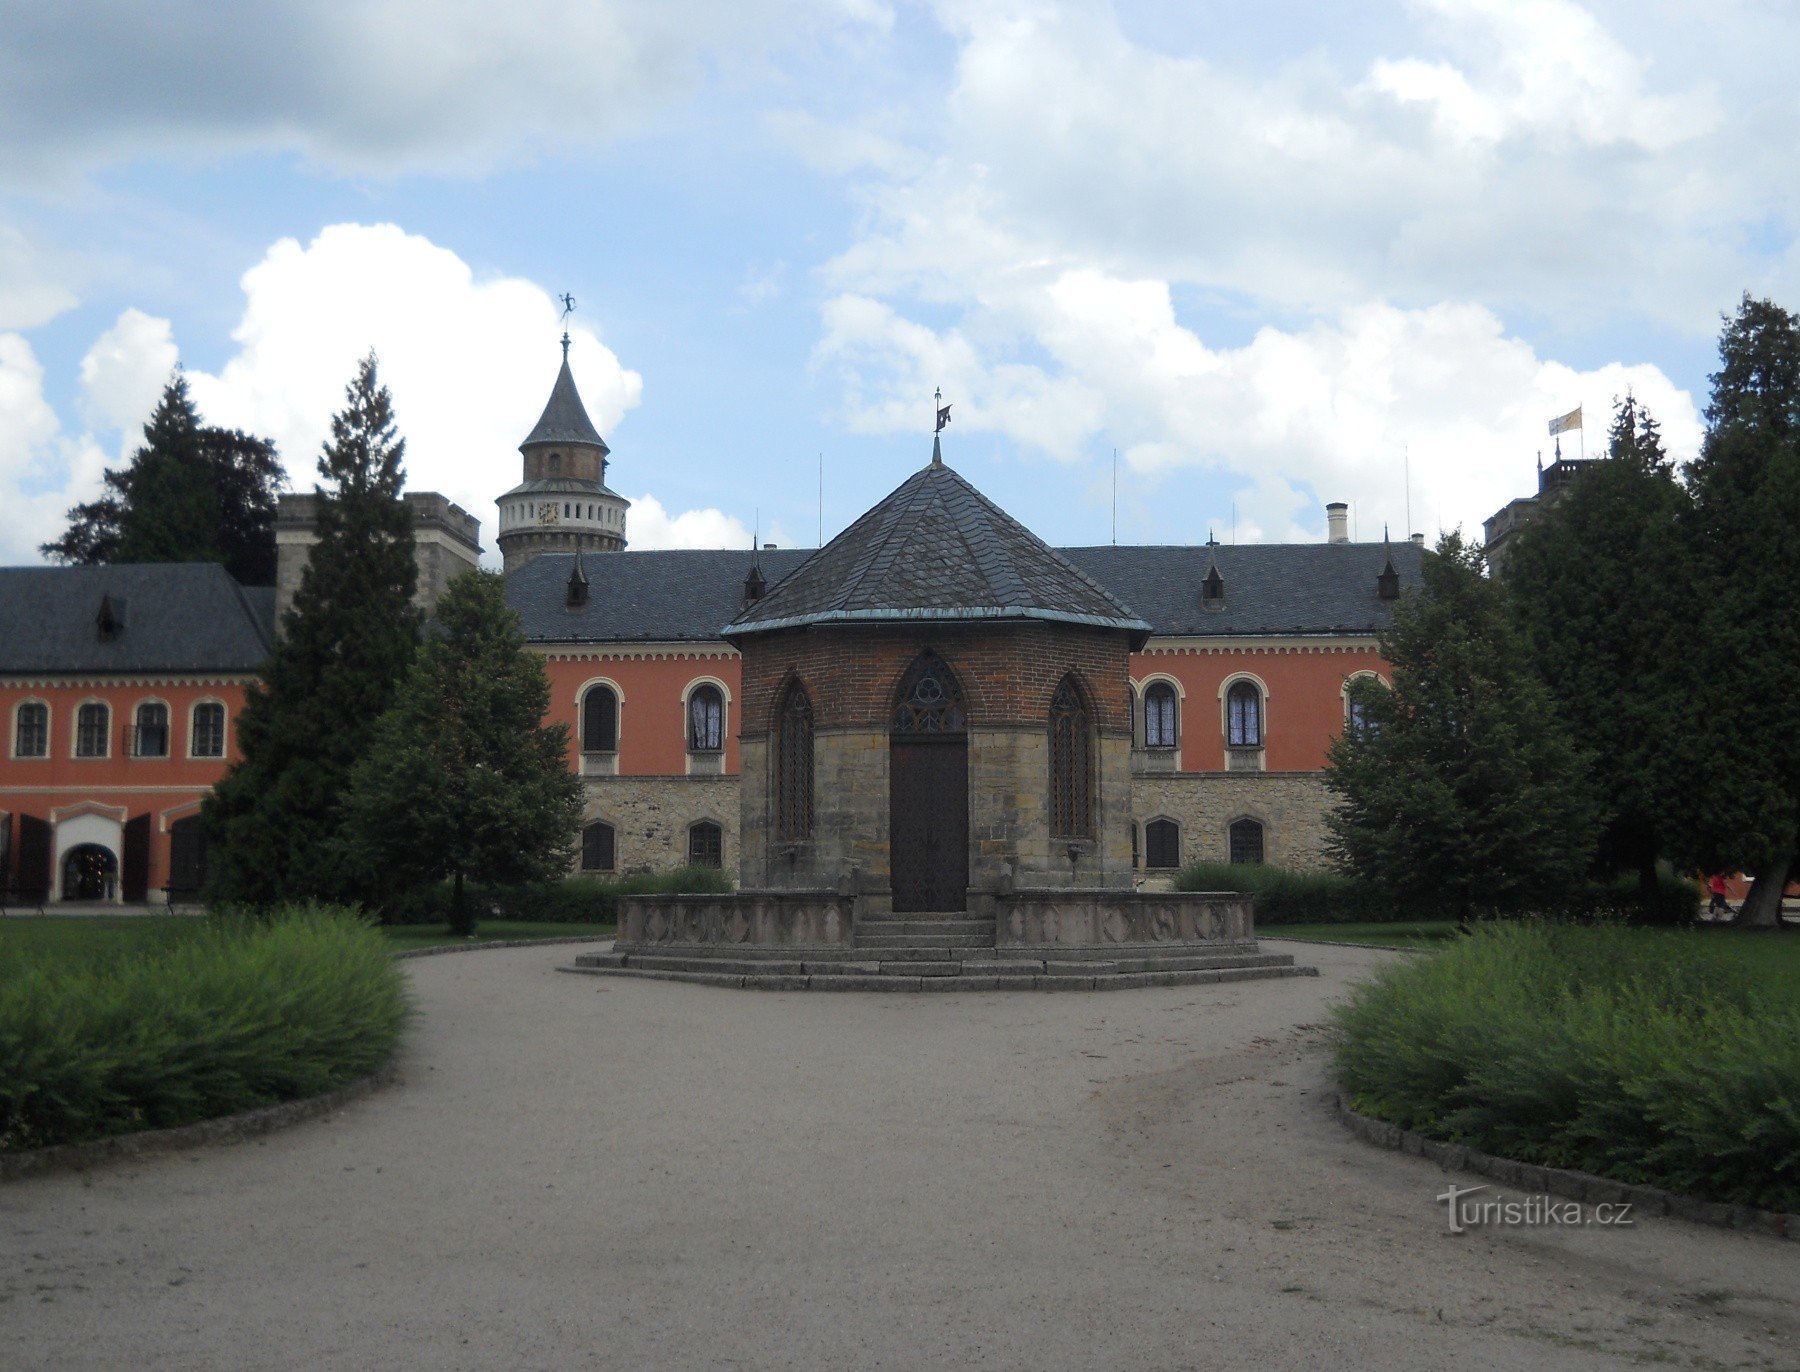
{"x":1716,"y":884}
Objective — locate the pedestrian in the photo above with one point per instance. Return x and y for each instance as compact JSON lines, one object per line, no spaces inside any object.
{"x":1716,"y":884}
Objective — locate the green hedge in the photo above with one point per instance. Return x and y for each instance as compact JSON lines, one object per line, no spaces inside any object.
{"x":1284,"y":897}
{"x":225,"y":1014}
{"x":1634,"y":1054}
{"x":577,"y":900}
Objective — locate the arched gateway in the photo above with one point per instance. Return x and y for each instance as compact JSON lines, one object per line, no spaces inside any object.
{"x":952,"y":804}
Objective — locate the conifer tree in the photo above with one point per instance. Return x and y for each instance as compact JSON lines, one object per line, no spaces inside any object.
{"x":1743,"y":544}
{"x":1460,"y":789}
{"x":1594,"y":587}
{"x":273,"y":822}
{"x":191,"y":493}
{"x":463,"y":780}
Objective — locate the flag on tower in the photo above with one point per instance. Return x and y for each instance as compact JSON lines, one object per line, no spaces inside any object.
{"x":943,"y":418}
{"x":1563,"y":423}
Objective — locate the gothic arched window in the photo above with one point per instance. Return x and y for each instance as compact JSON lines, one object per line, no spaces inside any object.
{"x":598,"y":850}
{"x":706,"y":845}
{"x":1071,"y":764}
{"x":600,"y":720}
{"x":1246,"y":841}
{"x":1160,"y":716}
{"x":1162,"y":843}
{"x":706,"y":720}
{"x":794,"y":765}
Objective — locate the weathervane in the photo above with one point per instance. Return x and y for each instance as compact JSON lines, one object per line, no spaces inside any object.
{"x":943,"y":410}
{"x":568,"y":304}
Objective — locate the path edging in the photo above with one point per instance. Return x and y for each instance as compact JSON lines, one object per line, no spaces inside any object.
{"x":1584,"y":1187}
{"x":484,"y":946}
{"x":248,"y":1124}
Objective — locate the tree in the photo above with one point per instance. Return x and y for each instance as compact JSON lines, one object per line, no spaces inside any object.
{"x":1743,"y":545}
{"x":463,"y":779}
{"x":1460,"y":788}
{"x":191,"y":493}
{"x":274,"y":821}
{"x":1594,"y":592}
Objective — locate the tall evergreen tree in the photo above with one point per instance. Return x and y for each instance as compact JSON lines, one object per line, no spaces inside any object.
{"x":191,"y":493}
{"x":1593,"y":587}
{"x":1744,"y":546}
{"x":1460,"y":788}
{"x":463,"y":779}
{"x":273,"y":822}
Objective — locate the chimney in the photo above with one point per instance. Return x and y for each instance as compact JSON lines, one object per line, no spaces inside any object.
{"x":1337,"y":522}
{"x":1418,"y":540}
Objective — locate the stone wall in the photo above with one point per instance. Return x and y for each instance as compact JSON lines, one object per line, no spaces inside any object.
{"x":782,"y":919}
{"x":1101,"y":919}
{"x":650,"y":816}
{"x":1290,"y":805}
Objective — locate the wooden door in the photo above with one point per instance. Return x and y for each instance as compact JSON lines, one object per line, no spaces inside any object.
{"x":928,"y":822}
{"x":134,"y":884}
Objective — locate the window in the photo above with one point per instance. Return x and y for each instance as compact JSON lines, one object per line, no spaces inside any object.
{"x":706,"y":845}
{"x":1357,"y":722}
{"x":207,"y":734}
{"x":1071,"y":765}
{"x":597,"y":847}
{"x":706,"y":720}
{"x":93,"y":722}
{"x":1246,"y":840}
{"x":31,"y":731}
{"x":794,"y":765}
{"x":600,"y":720}
{"x":1243,"y":714}
{"x":151,"y":737}
{"x":1162,"y":843}
{"x":1159,"y":715}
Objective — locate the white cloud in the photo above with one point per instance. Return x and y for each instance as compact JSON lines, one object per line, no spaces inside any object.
{"x":377,"y":84}
{"x":39,"y":463}
{"x":1324,"y":412}
{"x":124,"y":373}
{"x":650,"y":525}
{"x":32,"y":288}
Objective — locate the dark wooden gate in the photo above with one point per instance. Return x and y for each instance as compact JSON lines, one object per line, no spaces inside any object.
{"x":187,"y":858}
{"x":928,"y":791}
{"x":134,"y":878}
{"x":31,"y":869}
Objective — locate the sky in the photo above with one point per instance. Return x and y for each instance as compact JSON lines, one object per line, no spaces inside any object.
{"x":1179,"y":267}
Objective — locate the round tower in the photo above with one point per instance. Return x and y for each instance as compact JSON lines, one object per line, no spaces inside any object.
{"x":563,"y":504}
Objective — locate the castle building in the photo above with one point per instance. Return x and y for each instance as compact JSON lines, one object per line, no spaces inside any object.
{"x":1109,"y":713}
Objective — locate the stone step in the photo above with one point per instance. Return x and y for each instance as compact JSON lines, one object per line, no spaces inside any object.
{"x":884,"y":981}
{"x":925,"y":930}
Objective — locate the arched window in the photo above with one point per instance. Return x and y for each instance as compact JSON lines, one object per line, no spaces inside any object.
{"x":706,"y":845}
{"x":1162,"y":843}
{"x":600,"y":720}
{"x":31,"y":730}
{"x":1246,"y":840}
{"x":206,"y":737}
{"x":794,"y":765}
{"x":93,"y":723}
{"x":151,"y":736}
{"x":1071,"y":764}
{"x":597,"y":842}
{"x":1357,"y":722}
{"x":706,"y":719}
{"x":1244,"y":715}
{"x":1160,"y":717}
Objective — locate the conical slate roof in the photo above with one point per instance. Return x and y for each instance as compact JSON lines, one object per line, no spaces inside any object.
{"x":935,"y":549}
{"x":565,"y":418}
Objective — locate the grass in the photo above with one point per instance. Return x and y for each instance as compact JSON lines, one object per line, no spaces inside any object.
{"x":149,"y":1024}
{"x":1670,"y":1057}
{"x":105,"y":936}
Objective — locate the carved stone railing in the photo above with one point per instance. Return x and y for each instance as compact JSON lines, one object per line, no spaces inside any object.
{"x":776,"y":919}
{"x":1100,"y":919}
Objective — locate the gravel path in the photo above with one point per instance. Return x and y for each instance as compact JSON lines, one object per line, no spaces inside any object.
{"x":578,"y":1172}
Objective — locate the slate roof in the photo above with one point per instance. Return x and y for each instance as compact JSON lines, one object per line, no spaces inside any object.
{"x":665,"y":596}
{"x":180,"y":617}
{"x":565,"y":418}
{"x":1270,"y":588}
{"x":935,"y":549}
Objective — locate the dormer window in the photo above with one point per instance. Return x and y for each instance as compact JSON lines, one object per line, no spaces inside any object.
{"x":1387,"y":585}
{"x":1212,"y":590}
{"x":110,"y":622}
{"x":754,"y":585}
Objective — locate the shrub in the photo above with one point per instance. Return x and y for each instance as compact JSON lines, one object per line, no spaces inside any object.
{"x":1638,"y":1055}
{"x":227,"y":1014}
{"x":574,"y":900}
{"x":1284,"y":897}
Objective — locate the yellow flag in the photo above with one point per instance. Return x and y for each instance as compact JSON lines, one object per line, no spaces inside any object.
{"x":1563,"y":423}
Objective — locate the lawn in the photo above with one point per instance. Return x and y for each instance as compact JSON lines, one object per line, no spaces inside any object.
{"x":1413,"y":934}
{"x":93,"y":936}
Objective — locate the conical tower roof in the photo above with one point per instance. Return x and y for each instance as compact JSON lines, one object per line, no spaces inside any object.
{"x":565,"y":418}
{"x":935,"y":549}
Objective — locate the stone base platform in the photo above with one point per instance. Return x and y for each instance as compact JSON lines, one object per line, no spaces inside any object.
{"x":921,"y":967}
